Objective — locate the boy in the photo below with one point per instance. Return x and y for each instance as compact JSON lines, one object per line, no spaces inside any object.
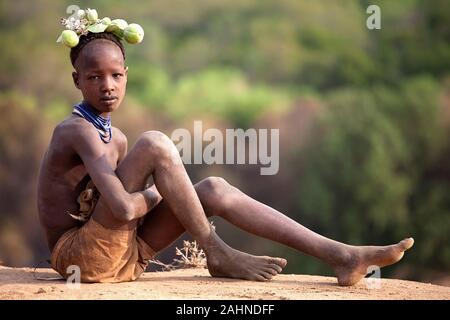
{"x":123,"y":223}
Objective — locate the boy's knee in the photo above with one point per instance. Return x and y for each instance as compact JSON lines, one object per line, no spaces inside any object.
{"x":159,"y":146}
{"x":214,"y":185}
{"x":154,"y":138}
{"x":215,"y":191}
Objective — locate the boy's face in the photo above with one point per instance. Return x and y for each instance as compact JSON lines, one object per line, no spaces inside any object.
{"x":101,"y":75}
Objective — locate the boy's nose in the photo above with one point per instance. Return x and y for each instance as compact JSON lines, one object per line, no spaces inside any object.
{"x":107,"y":85}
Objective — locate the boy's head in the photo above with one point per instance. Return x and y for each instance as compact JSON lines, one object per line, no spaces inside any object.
{"x":100,"y":72}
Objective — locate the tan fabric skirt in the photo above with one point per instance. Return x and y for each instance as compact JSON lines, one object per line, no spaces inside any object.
{"x":102,"y":255}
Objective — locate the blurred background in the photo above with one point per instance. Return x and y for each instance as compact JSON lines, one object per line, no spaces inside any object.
{"x":364,"y":115}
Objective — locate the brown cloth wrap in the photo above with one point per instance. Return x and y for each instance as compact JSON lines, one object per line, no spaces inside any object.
{"x":103,"y":255}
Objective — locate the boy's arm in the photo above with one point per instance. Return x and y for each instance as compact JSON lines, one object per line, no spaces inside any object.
{"x":124,"y":206}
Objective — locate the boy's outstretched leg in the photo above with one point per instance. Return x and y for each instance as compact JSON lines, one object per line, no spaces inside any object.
{"x":350,"y":263}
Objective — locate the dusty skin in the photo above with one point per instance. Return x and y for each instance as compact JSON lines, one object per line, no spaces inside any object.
{"x":19,"y":283}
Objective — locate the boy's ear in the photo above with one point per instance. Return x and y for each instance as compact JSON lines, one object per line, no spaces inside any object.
{"x":76,"y":79}
{"x":126,"y":71}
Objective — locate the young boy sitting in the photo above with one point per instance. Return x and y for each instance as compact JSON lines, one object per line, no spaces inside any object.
{"x":99,"y":215}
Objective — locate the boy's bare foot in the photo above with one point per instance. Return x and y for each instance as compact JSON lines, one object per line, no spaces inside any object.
{"x":360,"y":258}
{"x":224,"y":261}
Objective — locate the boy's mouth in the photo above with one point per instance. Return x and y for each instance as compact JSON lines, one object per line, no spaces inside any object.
{"x":108,"y":100}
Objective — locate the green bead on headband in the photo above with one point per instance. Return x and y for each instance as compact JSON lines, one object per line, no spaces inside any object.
{"x":85,"y":21}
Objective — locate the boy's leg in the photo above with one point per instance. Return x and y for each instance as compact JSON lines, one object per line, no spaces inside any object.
{"x":219,"y":198}
{"x":155,"y":154}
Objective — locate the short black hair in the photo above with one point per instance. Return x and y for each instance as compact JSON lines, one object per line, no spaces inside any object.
{"x":90,"y":36}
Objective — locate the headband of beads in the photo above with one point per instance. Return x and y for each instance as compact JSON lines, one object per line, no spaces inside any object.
{"x":84,"y":21}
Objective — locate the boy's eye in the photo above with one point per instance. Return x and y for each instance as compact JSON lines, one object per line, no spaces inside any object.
{"x":117,"y":75}
{"x":93,"y":77}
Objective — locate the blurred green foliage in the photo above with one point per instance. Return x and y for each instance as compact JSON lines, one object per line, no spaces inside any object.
{"x":364,"y":176}
{"x":364,"y":115}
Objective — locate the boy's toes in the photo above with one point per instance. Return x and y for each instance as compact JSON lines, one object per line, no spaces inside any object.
{"x":275,"y":267}
{"x":279,"y":261}
{"x":266,"y":275}
{"x":406,"y":244}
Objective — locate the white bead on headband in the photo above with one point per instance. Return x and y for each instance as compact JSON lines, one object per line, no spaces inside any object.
{"x":84,"y":21}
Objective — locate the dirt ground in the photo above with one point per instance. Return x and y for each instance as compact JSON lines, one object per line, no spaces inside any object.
{"x":192,"y":284}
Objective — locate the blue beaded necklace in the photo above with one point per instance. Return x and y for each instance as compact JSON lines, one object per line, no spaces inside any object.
{"x":103,"y":125}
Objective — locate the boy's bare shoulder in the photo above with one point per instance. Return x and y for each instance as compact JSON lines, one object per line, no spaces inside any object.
{"x":71,"y":127}
{"x":76,"y":129}
{"x":71,"y":134}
